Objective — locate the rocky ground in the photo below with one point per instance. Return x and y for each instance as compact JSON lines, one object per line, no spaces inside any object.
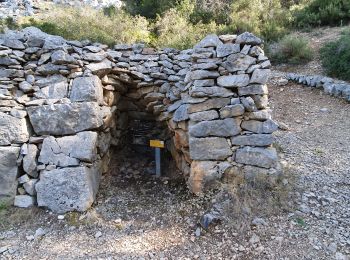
{"x":139,"y":217}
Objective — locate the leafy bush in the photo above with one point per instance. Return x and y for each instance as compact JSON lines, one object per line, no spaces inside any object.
{"x":291,"y":49}
{"x":174,"y":30}
{"x":323,"y":12}
{"x":264,"y":18}
{"x":78,"y":24}
{"x":8,"y":23}
{"x":335,"y":57}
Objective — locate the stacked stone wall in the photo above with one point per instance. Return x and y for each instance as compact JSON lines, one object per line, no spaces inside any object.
{"x":63,"y":104}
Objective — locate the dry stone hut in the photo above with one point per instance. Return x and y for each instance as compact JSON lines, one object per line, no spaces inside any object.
{"x":64,"y":104}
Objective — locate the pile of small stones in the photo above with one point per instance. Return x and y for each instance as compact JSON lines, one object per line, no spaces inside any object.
{"x":64,"y":103}
{"x":330,"y":86}
{"x":18,"y":8}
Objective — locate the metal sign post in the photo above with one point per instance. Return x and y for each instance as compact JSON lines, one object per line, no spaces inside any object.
{"x":157,"y":144}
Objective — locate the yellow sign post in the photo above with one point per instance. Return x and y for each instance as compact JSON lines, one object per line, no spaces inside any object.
{"x":157,"y":144}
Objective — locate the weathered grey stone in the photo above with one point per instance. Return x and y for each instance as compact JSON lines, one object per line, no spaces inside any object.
{"x":266,"y":127}
{"x":54,"y":91}
{"x":248,"y":38}
{"x":260,"y":115}
{"x":59,"y":57}
{"x":203,"y":74}
{"x":211,"y":40}
{"x":262,"y":157}
{"x":7,"y":61}
{"x":248,"y":103}
{"x":13,"y":44}
{"x":50,"y":80}
{"x":253,"y":90}
{"x":12,"y":130}
{"x":65,"y":119}
{"x":29,"y":187}
{"x":99,"y":67}
{"x":181,"y":114}
{"x":209,"y":104}
{"x":231,"y":111}
{"x":50,"y":69}
{"x":260,"y":76}
{"x":87,"y":89}
{"x":234,"y":81}
{"x":253,"y":140}
{"x":24,"y":201}
{"x":18,"y":113}
{"x":222,"y":128}
{"x":96,"y":57}
{"x":29,"y":161}
{"x":238,"y":62}
{"x":8,"y":173}
{"x":68,"y":189}
{"x":205,"y":175}
{"x":210,"y":92}
{"x":211,"y":148}
{"x":68,"y":150}
{"x":227,"y":49}
{"x":26,"y":87}
{"x":261,"y":101}
{"x":204,"y":116}
{"x":205,"y":66}
{"x":204,"y":83}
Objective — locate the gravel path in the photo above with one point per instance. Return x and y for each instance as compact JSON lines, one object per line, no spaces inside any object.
{"x":138,"y":217}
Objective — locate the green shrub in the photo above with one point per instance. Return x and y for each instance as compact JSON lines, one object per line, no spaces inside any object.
{"x":335,"y":57}
{"x":77,"y":24}
{"x":264,"y":18}
{"x":323,"y":12}
{"x":174,"y":30}
{"x":291,"y":49}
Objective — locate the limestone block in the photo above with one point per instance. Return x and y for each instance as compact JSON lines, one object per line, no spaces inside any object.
{"x":87,"y":89}
{"x":208,"y":104}
{"x":8,"y":173}
{"x":204,"y":116}
{"x":29,"y":160}
{"x":260,"y":76}
{"x":253,"y":140}
{"x":69,"y":150}
{"x":234,"y":81}
{"x":227,"y":49}
{"x":262,"y":157}
{"x":238,"y":62}
{"x":24,"y":201}
{"x":65,"y":119}
{"x":210,"y":92}
{"x":210,"y":148}
{"x":13,"y":130}
{"x":248,"y":38}
{"x":68,"y":189}
{"x":222,"y":128}
{"x":231,"y":111}
{"x":266,"y":127}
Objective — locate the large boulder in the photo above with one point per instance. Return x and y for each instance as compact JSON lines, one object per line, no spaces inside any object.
{"x":8,"y":173}
{"x":68,"y":189}
{"x":12,"y":130}
{"x":65,"y":119}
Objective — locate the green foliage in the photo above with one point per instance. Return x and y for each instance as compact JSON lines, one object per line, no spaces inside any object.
{"x":174,"y":30}
{"x":149,"y":8}
{"x":8,"y":23}
{"x":335,"y":57}
{"x":115,"y":27}
{"x":323,"y":12}
{"x":292,"y":49}
{"x":264,"y":18}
